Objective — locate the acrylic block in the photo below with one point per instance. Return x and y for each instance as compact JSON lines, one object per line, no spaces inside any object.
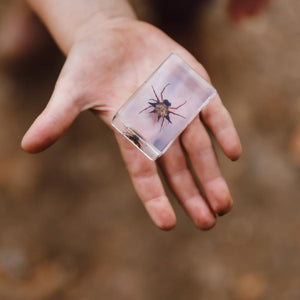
{"x":163,"y":106}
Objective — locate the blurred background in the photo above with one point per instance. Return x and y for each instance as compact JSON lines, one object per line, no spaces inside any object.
{"x":71,"y":225}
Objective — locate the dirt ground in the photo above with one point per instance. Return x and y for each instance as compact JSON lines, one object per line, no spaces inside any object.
{"x":72,"y":227}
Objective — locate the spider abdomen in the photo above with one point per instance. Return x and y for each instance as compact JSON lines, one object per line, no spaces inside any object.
{"x":161,"y":110}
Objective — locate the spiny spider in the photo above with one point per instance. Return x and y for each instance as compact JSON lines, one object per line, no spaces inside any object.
{"x":162,"y":107}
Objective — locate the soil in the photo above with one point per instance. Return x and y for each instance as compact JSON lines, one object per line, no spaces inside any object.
{"x":71,"y":225}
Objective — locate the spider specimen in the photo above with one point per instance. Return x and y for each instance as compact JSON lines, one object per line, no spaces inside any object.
{"x":162,"y":107}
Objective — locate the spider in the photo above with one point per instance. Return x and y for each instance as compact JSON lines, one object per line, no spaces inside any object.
{"x":162,"y":107}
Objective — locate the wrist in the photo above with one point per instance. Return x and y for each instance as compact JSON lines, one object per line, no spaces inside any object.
{"x":69,"y":20}
{"x":99,"y":25}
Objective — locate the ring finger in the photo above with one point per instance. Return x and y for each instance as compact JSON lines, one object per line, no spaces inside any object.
{"x":198,"y":145}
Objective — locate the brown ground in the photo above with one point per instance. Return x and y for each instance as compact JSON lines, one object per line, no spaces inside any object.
{"x":71,"y":226}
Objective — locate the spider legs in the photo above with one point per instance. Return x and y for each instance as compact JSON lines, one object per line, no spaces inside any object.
{"x":151,"y":105}
{"x":178,"y":106}
{"x":145,"y":109}
{"x":157,"y":99}
{"x":170,"y":112}
{"x":162,"y":92}
{"x":162,"y":123}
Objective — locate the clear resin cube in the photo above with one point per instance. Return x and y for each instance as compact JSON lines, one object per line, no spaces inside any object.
{"x":163,"y":106}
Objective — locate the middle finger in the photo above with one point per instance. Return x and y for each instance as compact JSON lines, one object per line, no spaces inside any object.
{"x":198,"y":145}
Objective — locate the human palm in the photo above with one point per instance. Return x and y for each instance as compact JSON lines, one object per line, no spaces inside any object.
{"x":106,"y":64}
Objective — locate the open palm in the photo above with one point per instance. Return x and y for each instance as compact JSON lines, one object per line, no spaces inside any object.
{"x":104,"y":67}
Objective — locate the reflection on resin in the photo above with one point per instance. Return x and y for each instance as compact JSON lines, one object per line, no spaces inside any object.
{"x":134,"y":138}
{"x":163,"y":106}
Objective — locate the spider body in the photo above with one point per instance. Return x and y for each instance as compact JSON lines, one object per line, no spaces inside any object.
{"x":162,"y":107}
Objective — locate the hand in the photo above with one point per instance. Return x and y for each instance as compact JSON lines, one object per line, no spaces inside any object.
{"x":106,"y":64}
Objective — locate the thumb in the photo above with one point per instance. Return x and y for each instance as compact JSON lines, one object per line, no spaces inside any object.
{"x":56,"y":118}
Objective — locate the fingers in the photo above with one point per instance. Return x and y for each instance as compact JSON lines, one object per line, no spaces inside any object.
{"x":219,"y":121}
{"x":198,"y":145}
{"x":181,"y":181}
{"x":217,"y":118}
{"x":49,"y":126}
{"x":148,"y":185}
{"x":58,"y":115}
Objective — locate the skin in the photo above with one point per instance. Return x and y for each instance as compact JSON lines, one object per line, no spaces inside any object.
{"x":238,"y":9}
{"x":108,"y":58}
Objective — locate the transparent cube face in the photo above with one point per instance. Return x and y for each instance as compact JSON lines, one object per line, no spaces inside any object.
{"x":163,"y":107}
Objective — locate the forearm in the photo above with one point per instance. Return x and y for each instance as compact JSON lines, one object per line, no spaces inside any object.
{"x":65,"y":18}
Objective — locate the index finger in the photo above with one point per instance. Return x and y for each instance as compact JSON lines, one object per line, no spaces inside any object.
{"x":217,"y":118}
{"x":219,"y":121}
{"x":147,"y":184}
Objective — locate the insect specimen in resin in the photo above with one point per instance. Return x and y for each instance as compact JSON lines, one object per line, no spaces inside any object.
{"x":162,"y":107}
